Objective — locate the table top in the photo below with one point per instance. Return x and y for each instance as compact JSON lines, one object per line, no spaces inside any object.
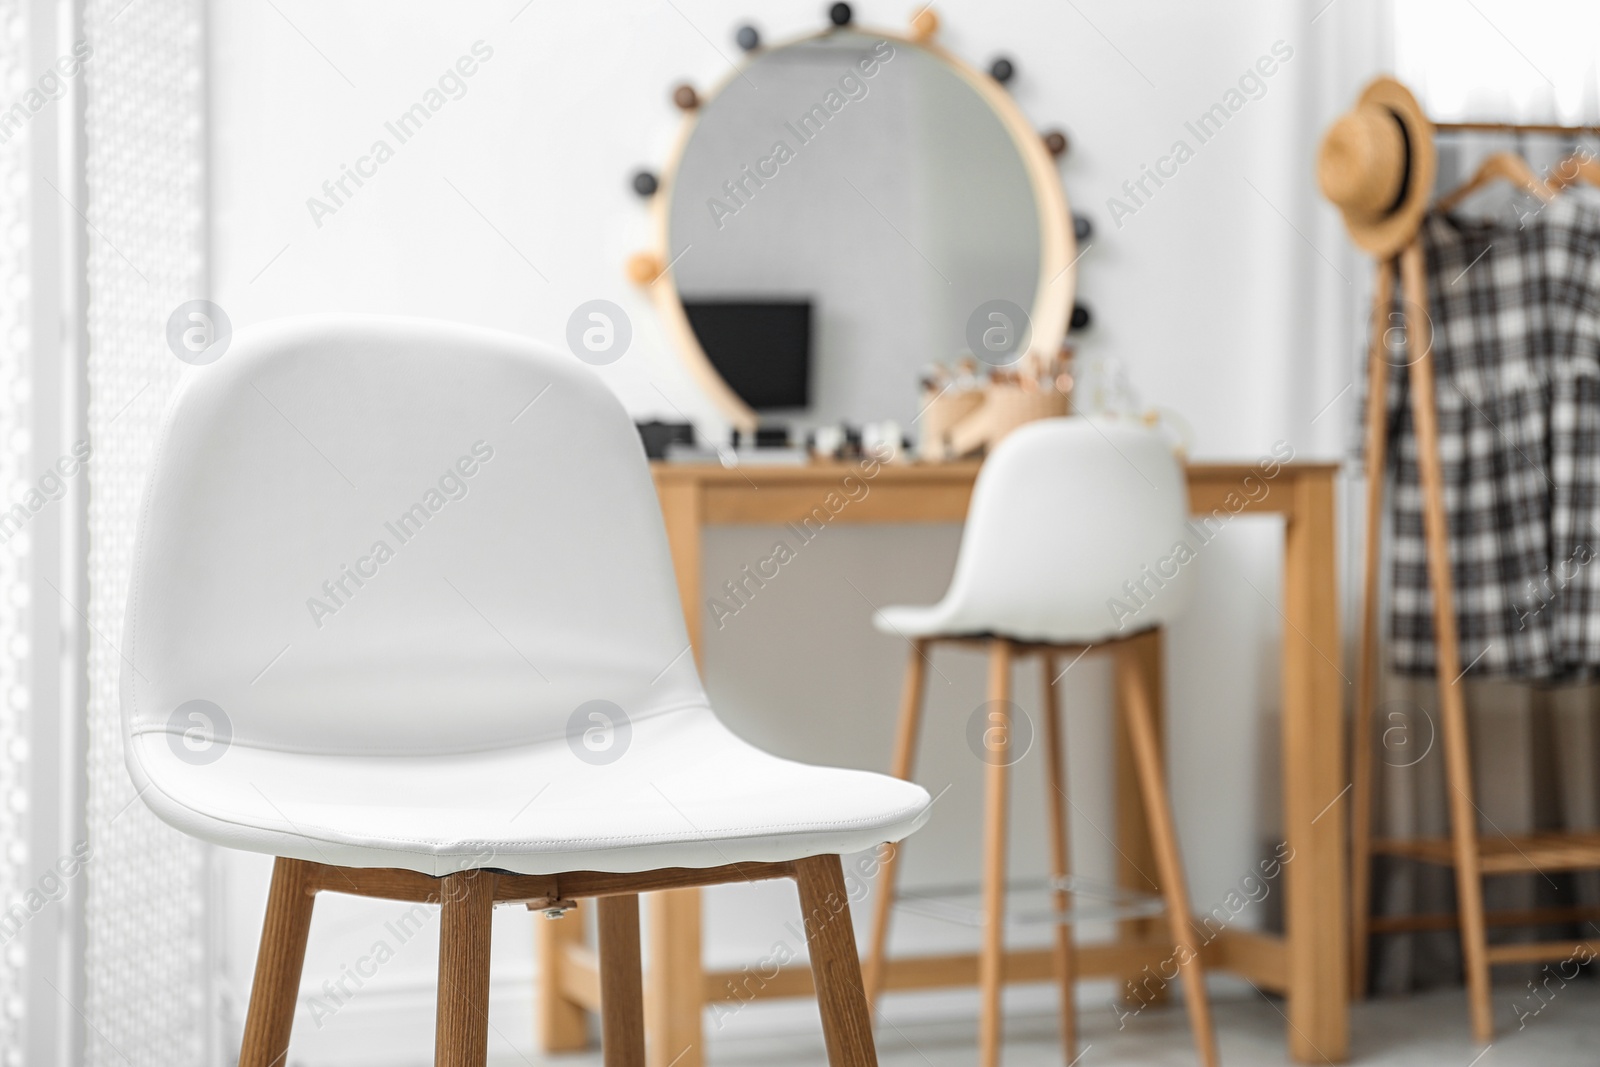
{"x":957,"y":470}
{"x":941,"y":492}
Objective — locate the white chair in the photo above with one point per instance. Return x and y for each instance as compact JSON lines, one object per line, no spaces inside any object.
{"x":402,"y":615}
{"x":1070,"y":544}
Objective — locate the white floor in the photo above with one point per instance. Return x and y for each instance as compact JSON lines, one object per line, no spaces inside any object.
{"x":1426,"y":1030}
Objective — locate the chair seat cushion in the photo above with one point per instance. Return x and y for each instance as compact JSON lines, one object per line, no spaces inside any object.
{"x":946,"y":620}
{"x":680,"y":790}
{"x":1077,"y":533}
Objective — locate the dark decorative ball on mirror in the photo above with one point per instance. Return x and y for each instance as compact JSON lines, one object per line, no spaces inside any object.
{"x":1082,"y":228}
{"x":1002,"y":70}
{"x":749,"y":38}
{"x":840,"y":14}
{"x":1056,"y":142}
{"x":644,"y":183}
{"x":685,"y":97}
{"x":1080,"y":317}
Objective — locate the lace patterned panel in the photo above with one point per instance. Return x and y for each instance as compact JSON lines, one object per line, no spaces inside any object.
{"x":148,"y":999}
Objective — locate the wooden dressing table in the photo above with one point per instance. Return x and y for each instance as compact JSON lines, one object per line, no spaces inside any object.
{"x":1309,"y":965}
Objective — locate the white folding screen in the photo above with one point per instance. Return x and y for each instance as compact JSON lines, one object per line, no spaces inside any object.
{"x":16,"y":452}
{"x":43,"y":849}
{"x":147,"y":997}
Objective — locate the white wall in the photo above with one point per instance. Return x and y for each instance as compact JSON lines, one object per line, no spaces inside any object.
{"x":1229,"y":296}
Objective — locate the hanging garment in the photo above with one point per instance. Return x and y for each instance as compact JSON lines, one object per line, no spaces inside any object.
{"x":1574,"y":331}
{"x":1515,"y":310}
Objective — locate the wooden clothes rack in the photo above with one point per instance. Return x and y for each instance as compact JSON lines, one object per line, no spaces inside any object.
{"x":1510,"y":127}
{"x":1473,"y":856}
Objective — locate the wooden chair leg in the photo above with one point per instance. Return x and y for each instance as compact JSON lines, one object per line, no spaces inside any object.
{"x":1367,"y":667}
{"x":621,"y":983}
{"x":998,"y":757}
{"x":278,"y":965}
{"x":835,"y":967}
{"x":905,"y":751}
{"x":1055,"y":792}
{"x":1452,"y":705}
{"x":462,"y":1035}
{"x":1158,"y":809}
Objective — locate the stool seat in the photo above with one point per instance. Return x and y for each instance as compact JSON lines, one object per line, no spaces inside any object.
{"x":532,"y":808}
{"x":943,"y":620}
{"x":1076,"y":535}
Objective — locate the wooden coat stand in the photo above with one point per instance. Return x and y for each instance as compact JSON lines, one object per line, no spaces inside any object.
{"x":1473,"y":856}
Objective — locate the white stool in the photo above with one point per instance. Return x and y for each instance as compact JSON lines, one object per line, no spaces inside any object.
{"x":402,"y":616}
{"x":1069,"y":545}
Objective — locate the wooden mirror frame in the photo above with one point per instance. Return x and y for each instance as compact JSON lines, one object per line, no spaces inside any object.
{"x":1052,"y":301}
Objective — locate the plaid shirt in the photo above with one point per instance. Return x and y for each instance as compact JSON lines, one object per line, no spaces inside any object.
{"x":1516,"y":334}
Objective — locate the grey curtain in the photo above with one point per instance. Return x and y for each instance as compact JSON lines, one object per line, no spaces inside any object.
{"x":1536,"y":766}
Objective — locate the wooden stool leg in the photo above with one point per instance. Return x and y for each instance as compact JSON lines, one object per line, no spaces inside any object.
{"x":1367,"y":667}
{"x":1055,"y":793}
{"x":1152,"y":780}
{"x":1060,"y":858}
{"x":997,"y":757}
{"x":621,"y":983}
{"x":278,"y":965}
{"x":905,"y":751}
{"x":1452,"y":705}
{"x":835,"y":967}
{"x":1136,"y":860}
{"x":461,"y":1038}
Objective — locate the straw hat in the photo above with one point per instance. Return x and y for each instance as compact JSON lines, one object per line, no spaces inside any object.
{"x":1377,"y":165}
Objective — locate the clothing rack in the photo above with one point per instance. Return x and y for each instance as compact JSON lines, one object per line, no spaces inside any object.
{"x":1472,"y":856}
{"x":1518,"y":128}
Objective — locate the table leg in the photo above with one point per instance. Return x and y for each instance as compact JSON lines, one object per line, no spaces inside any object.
{"x":1316,"y":911}
{"x":674,"y":991}
{"x":681,"y":512}
{"x":562,"y":1024}
{"x":674,"y":994}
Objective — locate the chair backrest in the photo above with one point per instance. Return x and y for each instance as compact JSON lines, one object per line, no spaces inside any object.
{"x":1074,"y":528}
{"x":398,"y":536}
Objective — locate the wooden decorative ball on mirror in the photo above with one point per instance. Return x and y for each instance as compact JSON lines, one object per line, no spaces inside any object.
{"x":748,"y":38}
{"x":645,"y":183}
{"x":643,"y":268}
{"x":840,"y":14}
{"x":1002,"y":70}
{"x":1056,"y":143}
{"x":924,"y":25}
{"x":685,"y":97}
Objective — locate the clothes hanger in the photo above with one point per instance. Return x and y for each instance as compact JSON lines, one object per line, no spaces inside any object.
{"x":1511,"y":167}
{"x":1580,"y":166}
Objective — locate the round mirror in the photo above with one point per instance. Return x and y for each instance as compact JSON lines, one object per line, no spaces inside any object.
{"x":847,"y":209}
